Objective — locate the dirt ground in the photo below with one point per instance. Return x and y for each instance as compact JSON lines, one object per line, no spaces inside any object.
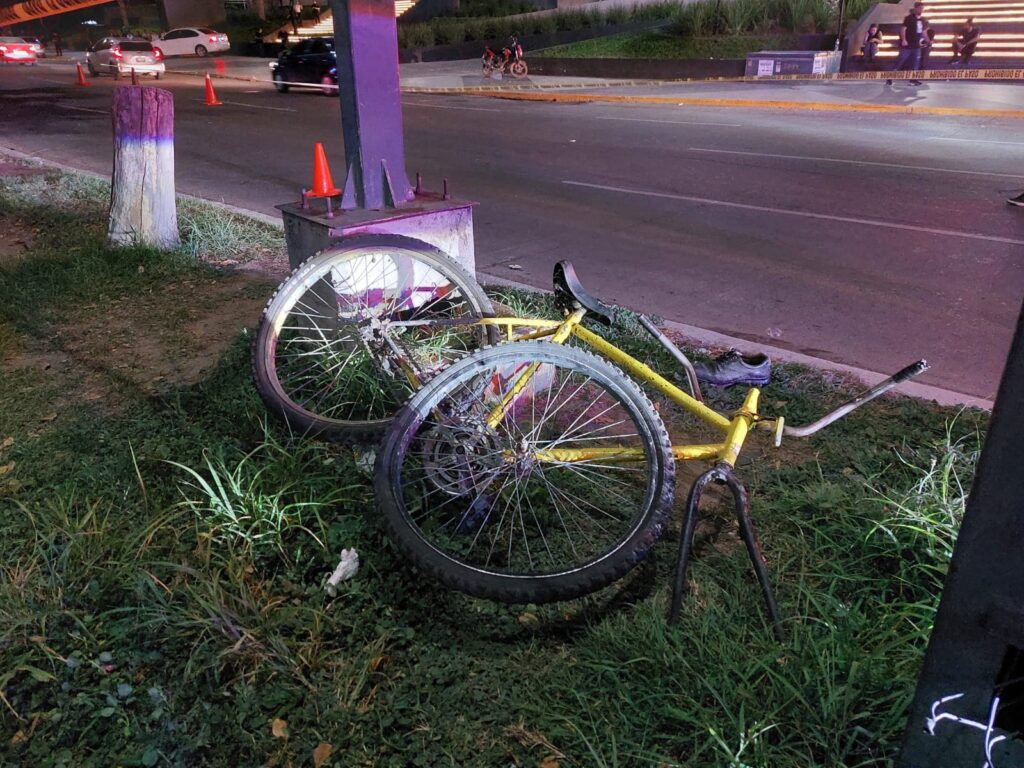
{"x":156,"y":341}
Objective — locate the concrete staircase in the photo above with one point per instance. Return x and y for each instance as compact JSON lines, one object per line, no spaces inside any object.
{"x":326,"y":26}
{"x":1002,"y":32}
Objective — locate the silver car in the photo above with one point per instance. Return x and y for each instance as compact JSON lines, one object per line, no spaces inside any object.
{"x":120,"y":55}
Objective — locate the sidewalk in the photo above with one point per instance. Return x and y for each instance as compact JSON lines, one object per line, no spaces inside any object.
{"x":958,"y":97}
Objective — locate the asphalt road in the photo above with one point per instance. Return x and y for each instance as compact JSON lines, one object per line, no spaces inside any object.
{"x":869,"y":240}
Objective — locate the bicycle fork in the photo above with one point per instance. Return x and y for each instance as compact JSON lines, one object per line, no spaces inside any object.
{"x":722,"y":474}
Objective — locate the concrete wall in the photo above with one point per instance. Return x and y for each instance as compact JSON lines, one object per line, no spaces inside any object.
{"x":191,"y":13}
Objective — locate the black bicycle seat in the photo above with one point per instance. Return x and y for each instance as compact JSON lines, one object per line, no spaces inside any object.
{"x":569,"y":291}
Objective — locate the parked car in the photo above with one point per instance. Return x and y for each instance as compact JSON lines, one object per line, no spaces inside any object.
{"x":37,"y":46}
{"x":187,"y":41}
{"x":119,"y":56}
{"x":15,"y":50}
{"x":310,"y":63}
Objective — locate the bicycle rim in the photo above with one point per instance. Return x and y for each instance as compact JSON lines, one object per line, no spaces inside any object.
{"x":343,"y":343}
{"x":564,"y":494}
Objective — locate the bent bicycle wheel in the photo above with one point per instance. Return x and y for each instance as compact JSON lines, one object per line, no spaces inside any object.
{"x":344,"y":339}
{"x":527,"y":472}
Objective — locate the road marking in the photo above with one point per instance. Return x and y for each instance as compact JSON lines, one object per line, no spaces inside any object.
{"x":976,"y":141}
{"x":672,"y":122}
{"x":856,"y":162}
{"x":448,"y":106}
{"x":802,"y":214}
{"x":48,"y":80}
{"x":252,"y":106}
{"x":84,"y":109}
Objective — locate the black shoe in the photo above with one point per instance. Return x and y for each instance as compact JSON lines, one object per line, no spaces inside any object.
{"x":734,"y":368}
{"x":888,"y":82}
{"x":915,"y":82}
{"x":1018,"y":200}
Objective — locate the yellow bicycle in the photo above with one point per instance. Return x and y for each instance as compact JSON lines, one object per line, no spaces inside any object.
{"x":535,"y":471}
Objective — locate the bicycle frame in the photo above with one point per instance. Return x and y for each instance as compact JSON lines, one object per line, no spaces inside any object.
{"x":734,"y":430}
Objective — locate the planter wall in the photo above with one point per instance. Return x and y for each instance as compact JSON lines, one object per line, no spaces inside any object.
{"x":638,"y":69}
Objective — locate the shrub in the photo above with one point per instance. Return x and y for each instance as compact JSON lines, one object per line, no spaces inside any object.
{"x":546,"y":25}
{"x":420,"y":35}
{"x":570,"y":20}
{"x":450,"y":32}
{"x":476,"y":30}
{"x":618,"y":15}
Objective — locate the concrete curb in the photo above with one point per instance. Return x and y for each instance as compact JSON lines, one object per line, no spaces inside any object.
{"x":691,"y":332}
{"x":704,"y":336}
{"x":821,"y":106}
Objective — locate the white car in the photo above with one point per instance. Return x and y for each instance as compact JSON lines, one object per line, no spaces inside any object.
{"x":187,"y":41}
{"x":119,"y":56}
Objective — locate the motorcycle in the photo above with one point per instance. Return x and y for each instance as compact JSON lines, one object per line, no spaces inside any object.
{"x":509,"y":61}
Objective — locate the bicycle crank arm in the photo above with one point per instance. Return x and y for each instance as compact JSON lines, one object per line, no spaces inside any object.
{"x":881,"y":388}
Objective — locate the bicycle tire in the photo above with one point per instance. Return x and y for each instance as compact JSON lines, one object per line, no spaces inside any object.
{"x":396,"y":483}
{"x":412,"y":256}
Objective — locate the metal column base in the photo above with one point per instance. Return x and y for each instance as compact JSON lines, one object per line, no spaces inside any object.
{"x":722,"y":474}
{"x":446,"y":224}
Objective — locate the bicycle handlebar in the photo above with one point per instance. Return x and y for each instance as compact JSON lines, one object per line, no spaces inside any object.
{"x":882,"y":387}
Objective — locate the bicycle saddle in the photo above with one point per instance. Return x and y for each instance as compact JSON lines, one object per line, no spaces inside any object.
{"x":569,"y":290}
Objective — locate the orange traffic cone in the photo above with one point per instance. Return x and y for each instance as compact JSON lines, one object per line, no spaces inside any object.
{"x":211,"y":97}
{"x":323,"y":185}
{"x":81,"y":75}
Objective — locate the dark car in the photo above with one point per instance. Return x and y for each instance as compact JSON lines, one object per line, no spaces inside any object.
{"x":309,"y":63}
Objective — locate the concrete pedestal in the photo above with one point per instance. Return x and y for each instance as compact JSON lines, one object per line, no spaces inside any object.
{"x":445,"y":224}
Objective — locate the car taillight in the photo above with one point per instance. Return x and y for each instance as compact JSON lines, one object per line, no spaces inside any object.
{"x":116,"y":53}
{"x":3,"y":49}
{"x":158,"y":52}
{"x":214,"y":38}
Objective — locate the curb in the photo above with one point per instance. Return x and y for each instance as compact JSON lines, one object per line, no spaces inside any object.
{"x":692,"y":332}
{"x":705,"y":336}
{"x":822,"y":106}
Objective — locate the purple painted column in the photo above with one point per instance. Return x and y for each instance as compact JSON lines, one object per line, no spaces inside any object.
{"x":142,"y":199}
{"x":366,"y":42}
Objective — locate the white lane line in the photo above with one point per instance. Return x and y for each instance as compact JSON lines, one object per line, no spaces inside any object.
{"x":84,"y":109}
{"x":856,"y":162}
{"x":975,"y":141}
{"x":251,"y":106}
{"x":671,"y":122}
{"x":448,"y":106}
{"x":48,"y":80}
{"x":802,"y":214}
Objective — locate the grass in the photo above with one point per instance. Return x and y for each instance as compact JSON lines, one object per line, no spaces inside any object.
{"x":657,"y":44}
{"x":164,"y":552}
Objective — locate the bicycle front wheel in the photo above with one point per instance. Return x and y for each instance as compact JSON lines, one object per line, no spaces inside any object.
{"x":350,"y":334}
{"x":528,"y":472}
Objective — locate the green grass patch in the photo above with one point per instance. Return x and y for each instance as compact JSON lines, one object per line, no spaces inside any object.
{"x":164,"y":551}
{"x":658,"y":44}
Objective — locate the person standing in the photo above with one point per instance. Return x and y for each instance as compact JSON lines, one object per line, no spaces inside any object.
{"x":316,"y":11}
{"x":58,"y":44}
{"x":871,"y":43}
{"x":965,"y":43}
{"x":911,"y":33}
{"x":296,"y":16}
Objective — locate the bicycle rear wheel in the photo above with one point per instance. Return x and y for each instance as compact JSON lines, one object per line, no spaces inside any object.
{"x":563,"y":495}
{"x":344,"y":337}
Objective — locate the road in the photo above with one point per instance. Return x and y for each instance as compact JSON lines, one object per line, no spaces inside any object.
{"x":863,"y":239}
